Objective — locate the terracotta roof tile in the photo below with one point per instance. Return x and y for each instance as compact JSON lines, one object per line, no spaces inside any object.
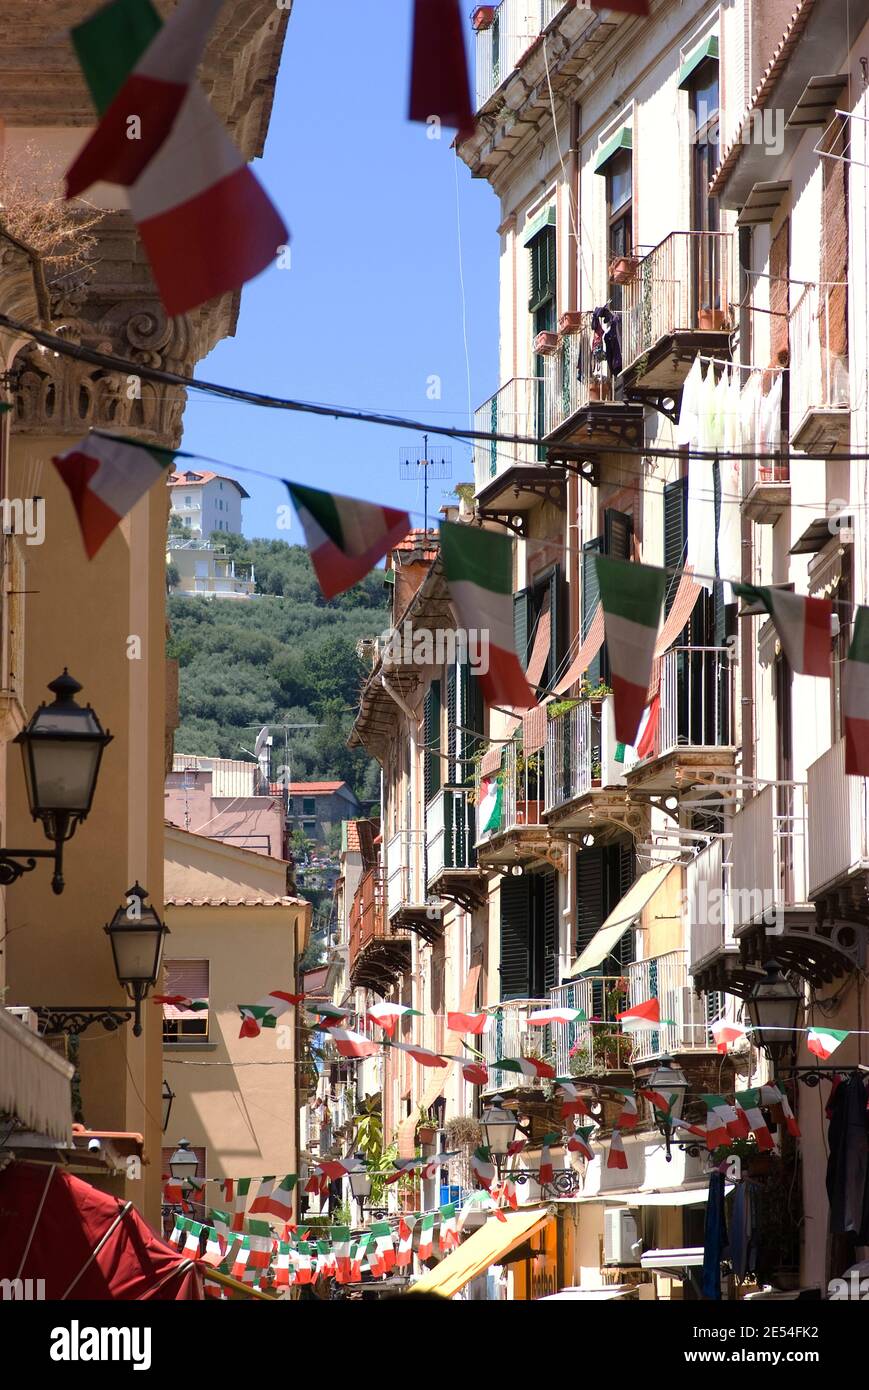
{"x":264,"y":900}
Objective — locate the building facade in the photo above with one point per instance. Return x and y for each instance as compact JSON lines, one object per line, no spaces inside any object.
{"x":204,"y":502}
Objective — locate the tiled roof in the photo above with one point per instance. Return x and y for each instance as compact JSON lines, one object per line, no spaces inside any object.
{"x":416,"y":538}
{"x":316,"y":788}
{"x":264,"y":900}
{"x":201,"y":476}
{"x":772,"y":73}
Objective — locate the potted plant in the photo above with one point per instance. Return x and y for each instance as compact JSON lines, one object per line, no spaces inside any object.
{"x":571,"y":321}
{"x":462,"y":1132}
{"x":483,"y":17}
{"x":595,"y":389}
{"x":426,"y":1129}
{"x":545,"y":344}
{"x":711,"y":320}
{"x":623,"y":269}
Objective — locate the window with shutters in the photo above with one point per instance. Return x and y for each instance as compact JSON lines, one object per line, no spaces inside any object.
{"x":548,"y":900}
{"x":190,"y":980}
{"x":541,"y":305}
{"x":604,"y":873}
{"x":521,"y":625}
{"x":675,"y":534}
{"x":598,"y":669}
{"x":515,"y":969}
{"x":432,"y":734}
{"x":546,"y":589}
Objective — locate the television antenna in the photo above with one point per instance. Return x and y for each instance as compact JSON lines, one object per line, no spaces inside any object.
{"x":440,"y":466}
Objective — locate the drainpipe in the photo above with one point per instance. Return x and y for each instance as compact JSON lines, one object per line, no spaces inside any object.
{"x":574,"y":204}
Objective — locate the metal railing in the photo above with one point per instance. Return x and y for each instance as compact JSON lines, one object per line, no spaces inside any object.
{"x":696,"y":699}
{"x":684,"y":284}
{"x":567,"y":374}
{"x":366,"y":919}
{"x":769,"y":854}
{"x":710,"y":916}
{"x":405,"y":870}
{"x":666,"y":979}
{"x":450,"y":834}
{"x":818,"y":373}
{"x":581,"y":1049}
{"x":764,"y":467}
{"x":582,"y":752}
{"x":501,"y":45}
{"x":510,"y":1035}
{"x":523,"y":795}
{"x":514,"y":409}
{"x":838,"y":820}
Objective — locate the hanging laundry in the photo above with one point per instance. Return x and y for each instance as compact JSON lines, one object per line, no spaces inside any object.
{"x":687,"y":430}
{"x":606,"y":340}
{"x":848,"y":1163}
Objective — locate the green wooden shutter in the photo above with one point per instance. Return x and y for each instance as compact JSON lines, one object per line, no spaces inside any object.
{"x":521,"y":624}
{"x":590,"y":600}
{"x":556,"y":647}
{"x":550,"y":931}
{"x":618,"y":530}
{"x":432,"y":726}
{"x":675,"y":534}
{"x":543,"y":271}
{"x":476,"y":718}
{"x":589,"y":895}
{"x":515,"y":937}
{"x":623,"y":872}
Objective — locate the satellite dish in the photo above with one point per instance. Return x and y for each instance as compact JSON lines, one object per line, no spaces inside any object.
{"x":263,"y":740}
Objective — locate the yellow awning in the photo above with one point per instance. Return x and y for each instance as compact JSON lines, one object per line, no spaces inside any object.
{"x":485,"y":1247}
{"x":623,"y":916}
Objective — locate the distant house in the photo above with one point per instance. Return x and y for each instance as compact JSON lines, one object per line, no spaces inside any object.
{"x":205,"y":569}
{"x":206,"y":502}
{"x":317,"y":807}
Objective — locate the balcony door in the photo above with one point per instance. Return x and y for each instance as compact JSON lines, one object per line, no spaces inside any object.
{"x":529,"y":935}
{"x":620,"y":215}
{"x":707,"y":279}
{"x":542,"y":307}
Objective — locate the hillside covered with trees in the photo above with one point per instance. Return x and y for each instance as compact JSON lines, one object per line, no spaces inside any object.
{"x":285,"y":657}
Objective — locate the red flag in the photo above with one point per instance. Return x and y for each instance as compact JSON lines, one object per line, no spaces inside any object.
{"x":439,"y":68}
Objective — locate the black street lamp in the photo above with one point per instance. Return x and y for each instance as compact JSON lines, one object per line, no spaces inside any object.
{"x":360,"y":1181}
{"x":774,"y":1008}
{"x":61,"y":747}
{"x":672,"y":1084}
{"x":137,"y":935}
{"x":183,"y":1163}
{"x":499,"y":1128}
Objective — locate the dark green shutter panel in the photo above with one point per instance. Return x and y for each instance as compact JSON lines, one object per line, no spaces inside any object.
{"x":521,"y":604}
{"x":675,"y":534}
{"x":451,"y":723}
{"x":590,"y":599}
{"x":515,"y":937}
{"x":432,"y":724}
{"x":625,"y":873}
{"x":476,"y":717}
{"x":553,"y":670}
{"x":618,"y":530}
{"x":550,"y":931}
{"x":589,"y":895}
{"x":542,"y":253}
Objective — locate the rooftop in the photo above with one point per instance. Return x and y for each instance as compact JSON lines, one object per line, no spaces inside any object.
{"x":195,"y":477}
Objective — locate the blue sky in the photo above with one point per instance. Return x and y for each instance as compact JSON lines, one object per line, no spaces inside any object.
{"x":371,"y":306}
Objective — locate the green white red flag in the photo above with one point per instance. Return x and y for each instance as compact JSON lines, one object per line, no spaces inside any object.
{"x":382,"y":1257}
{"x":578,"y":1142}
{"x":260,"y":1242}
{"x":491,"y":800}
{"x":449,"y":1235}
{"x":282,"y":1264}
{"x":546,"y":1173}
{"x":426,"y":1236}
{"x":204,"y":220}
{"x":722,"y":1122}
{"x":387,"y":1016}
{"x":822,"y":1042}
{"x":629,"y":1114}
{"x":478,"y":566}
{"x":240,"y":1260}
{"x":423,"y":1055}
{"x":106,"y":475}
{"x":266,"y":1012}
{"x":346,"y":538}
{"x":239,"y":1202}
{"x":617,"y":1156}
{"x":725,"y":1032}
{"x":781,"y":1111}
{"x":275,"y":1198}
{"x":526,"y":1066}
{"x":804,"y":626}
{"x":350,"y":1044}
{"x":855,"y":698}
{"x":632,"y":597}
{"x":341,"y":1245}
{"x":477,"y":1073}
{"x":540,"y":1017}
{"x":404,"y":1254}
{"x":144,"y":109}
{"x":572,"y":1101}
{"x":221,"y":1222}
{"x":749,"y":1103}
{"x":644,"y":1015}
{"x":482,"y":1166}
{"x":475,"y":1024}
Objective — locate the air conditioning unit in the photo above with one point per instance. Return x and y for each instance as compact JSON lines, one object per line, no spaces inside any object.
{"x":619,"y":1235}
{"x":25,"y":1015}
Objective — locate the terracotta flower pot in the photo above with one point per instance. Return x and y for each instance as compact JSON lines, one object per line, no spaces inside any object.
{"x":426,"y":1134}
{"x":546,"y":343}
{"x":623,"y":269}
{"x":571,"y":321}
{"x":595,"y":389}
{"x":483,"y":17}
{"x":711,"y":320}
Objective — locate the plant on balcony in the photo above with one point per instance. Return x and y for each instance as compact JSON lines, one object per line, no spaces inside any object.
{"x":571,"y":321}
{"x":426,"y":1126}
{"x":483,"y":17}
{"x":623,"y":269}
{"x":462,"y":1132}
{"x":712,"y":320}
{"x":557,"y":708}
{"x":609,"y":1052}
{"x":546,"y":343}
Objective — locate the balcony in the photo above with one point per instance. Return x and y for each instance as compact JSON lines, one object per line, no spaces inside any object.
{"x":666,"y":978}
{"x":694,"y":724}
{"x":590,"y":1049}
{"x":520,"y":836}
{"x":407,"y":905}
{"x":766,"y":480}
{"x":678,"y":303}
{"x":511,"y":479}
{"x":376,"y":957}
{"x":714,"y":960}
{"x":820,"y":397}
{"x":505,"y":32}
{"x":510,"y":1035}
{"x":451,"y":860}
{"x":583,"y":767}
{"x":838,"y":841}
{"x":574,"y":412}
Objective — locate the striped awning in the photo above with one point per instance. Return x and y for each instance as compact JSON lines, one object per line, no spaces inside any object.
{"x":586,"y":654}
{"x":35,"y":1083}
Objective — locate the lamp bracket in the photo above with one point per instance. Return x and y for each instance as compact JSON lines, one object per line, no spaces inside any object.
{"x":11,"y":869}
{"x":77,"y":1018}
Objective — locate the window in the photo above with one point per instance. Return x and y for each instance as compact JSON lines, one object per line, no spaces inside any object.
{"x":188,"y":501}
{"x":189,"y":978}
{"x":541,"y":305}
{"x":309,"y":806}
{"x":703,"y":95}
{"x":619,"y":198}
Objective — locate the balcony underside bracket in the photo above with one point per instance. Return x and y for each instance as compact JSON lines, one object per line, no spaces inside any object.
{"x":591,"y":428}
{"x":380,"y":964}
{"x":657,"y":400}
{"x":818,"y":952}
{"x":466,"y":890}
{"x":849,"y":903}
{"x":606,"y":816}
{"x":517,"y":522}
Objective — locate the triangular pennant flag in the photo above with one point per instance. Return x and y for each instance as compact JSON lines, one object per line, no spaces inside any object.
{"x":478,"y":566}
{"x":387,"y":1015}
{"x":578,"y":1142}
{"x":632,"y":597}
{"x":350,"y":1044}
{"x":629,"y":1114}
{"x":106,"y":475}
{"x":722,"y":1122}
{"x":644,"y":1015}
{"x":749,"y":1103}
{"x":426,"y":1238}
{"x":540,"y":1017}
{"x":546,"y":1173}
{"x":382,"y":1257}
{"x":482,"y":1166}
{"x":274,"y":1198}
{"x":475,"y":1024}
{"x":266,"y":1012}
{"x":725,"y":1032}
{"x":781,"y":1111}
{"x":404,"y":1254}
{"x":617,"y":1157}
{"x":259,"y":1240}
{"x":439,"y":85}
{"x":423,"y":1055}
{"x":822,"y":1042}
{"x":477,"y":1073}
{"x":804,"y":626}
{"x":449,"y":1237}
{"x":239,"y":1206}
{"x":346,"y":538}
{"x":855,"y":698}
{"x":526,"y":1066}
{"x":214,"y":1248}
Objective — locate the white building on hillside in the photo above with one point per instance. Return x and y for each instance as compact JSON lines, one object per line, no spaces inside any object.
{"x":205,"y":502}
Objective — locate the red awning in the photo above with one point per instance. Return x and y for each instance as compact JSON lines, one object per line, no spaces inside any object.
{"x":52,"y":1225}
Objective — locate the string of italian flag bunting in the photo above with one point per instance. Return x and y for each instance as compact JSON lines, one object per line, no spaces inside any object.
{"x":107,"y":474}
